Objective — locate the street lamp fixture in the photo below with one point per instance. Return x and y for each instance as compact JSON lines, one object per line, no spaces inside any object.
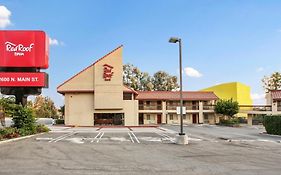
{"x":182,"y":139}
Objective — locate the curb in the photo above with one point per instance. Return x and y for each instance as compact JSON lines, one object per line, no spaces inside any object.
{"x":19,"y":138}
{"x":264,"y":133}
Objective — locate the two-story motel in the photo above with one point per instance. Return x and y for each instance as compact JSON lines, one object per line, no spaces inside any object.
{"x":97,"y":96}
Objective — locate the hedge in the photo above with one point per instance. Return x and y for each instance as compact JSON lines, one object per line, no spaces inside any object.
{"x":272,"y":124}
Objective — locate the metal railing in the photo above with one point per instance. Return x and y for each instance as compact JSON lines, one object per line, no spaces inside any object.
{"x":208,"y":107}
{"x":150,"y":107}
{"x":188,"y":107}
{"x":255,"y":107}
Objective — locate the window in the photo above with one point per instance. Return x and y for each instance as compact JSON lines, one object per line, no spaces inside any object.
{"x":127,"y":96}
{"x":171,"y":117}
{"x":147,"y":117}
{"x":147,"y":102}
{"x":184,"y":117}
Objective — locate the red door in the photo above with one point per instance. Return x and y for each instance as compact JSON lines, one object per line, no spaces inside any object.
{"x":194,"y":118}
{"x":159,"y":119}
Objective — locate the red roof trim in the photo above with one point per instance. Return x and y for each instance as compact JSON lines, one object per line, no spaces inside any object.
{"x":89,"y":66}
{"x":174,"y":95}
{"x":76,"y":91}
{"x":92,"y":91}
{"x":130,"y":89}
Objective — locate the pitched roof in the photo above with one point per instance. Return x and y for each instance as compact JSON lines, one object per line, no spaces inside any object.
{"x":276,"y":94}
{"x":175,"y":95}
{"x":89,"y":66}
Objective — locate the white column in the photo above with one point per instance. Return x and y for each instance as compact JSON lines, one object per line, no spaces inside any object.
{"x":164,"y":112}
{"x":201,"y":116}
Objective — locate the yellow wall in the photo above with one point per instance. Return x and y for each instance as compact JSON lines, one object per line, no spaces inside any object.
{"x":235,"y":90}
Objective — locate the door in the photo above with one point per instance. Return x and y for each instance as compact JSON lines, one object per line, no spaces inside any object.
{"x":159,"y":116}
{"x":141,"y":119}
{"x":194,"y":118}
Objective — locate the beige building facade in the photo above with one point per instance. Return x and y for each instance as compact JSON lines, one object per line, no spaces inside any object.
{"x":97,"y":96}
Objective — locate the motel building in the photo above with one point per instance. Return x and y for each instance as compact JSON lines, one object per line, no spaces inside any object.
{"x":97,"y":96}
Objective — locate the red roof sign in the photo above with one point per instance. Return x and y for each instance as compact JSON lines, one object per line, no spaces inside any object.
{"x":24,"y":49}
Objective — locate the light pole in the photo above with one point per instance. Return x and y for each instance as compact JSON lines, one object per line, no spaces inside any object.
{"x":182,"y":139}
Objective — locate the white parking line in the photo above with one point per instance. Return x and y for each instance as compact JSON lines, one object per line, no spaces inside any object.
{"x":135,"y":137}
{"x":165,"y":137}
{"x":62,"y":137}
{"x":100,"y":137}
{"x":131,"y":137}
{"x":95,"y":137}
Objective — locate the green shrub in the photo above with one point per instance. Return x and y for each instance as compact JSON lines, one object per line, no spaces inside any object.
{"x":27,"y":130}
{"x":23,"y":117}
{"x":8,"y":133}
{"x":59,"y":121}
{"x":272,"y":124}
{"x":42,"y":128}
{"x":229,"y":122}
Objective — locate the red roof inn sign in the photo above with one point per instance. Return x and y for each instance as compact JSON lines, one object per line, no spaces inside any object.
{"x":24,"y":49}
{"x":22,"y":55}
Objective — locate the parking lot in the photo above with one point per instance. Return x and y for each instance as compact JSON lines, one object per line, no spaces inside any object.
{"x":211,"y":150}
{"x":124,"y":135}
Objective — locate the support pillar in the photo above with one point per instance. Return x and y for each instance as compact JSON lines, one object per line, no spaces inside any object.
{"x":250,"y":119}
{"x":201,"y":116}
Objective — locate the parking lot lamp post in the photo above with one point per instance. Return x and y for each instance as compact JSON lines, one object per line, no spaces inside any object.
{"x":182,"y":139}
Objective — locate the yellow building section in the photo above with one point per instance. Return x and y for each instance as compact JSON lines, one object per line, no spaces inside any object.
{"x":237,"y":91}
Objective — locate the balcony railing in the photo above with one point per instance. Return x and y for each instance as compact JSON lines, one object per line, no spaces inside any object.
{"x":188,"y":107}
{"x":150,"y":107}
{"x":208,"y":107}
{"x":255,"y":108}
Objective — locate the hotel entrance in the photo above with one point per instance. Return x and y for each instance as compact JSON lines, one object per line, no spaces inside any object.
{"x":109,"y":119}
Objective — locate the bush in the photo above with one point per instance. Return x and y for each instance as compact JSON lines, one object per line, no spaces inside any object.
{"x":23,"y":117}
{"x":59,"y":121}
{"x":272,"y":124}
{"x":230,"y":122}
{"x":27,"y":130}
{"x":42,"y":128}
{"x":8,"y":133}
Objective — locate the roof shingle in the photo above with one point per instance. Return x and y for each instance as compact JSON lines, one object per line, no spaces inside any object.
{"x":276,"y":94}
{"x":175,"y":95}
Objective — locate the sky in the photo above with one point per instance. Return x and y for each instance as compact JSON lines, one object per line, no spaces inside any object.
{"x":223,"y":40}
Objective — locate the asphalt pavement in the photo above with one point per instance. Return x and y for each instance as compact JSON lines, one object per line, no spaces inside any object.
{"x":68,"y":150}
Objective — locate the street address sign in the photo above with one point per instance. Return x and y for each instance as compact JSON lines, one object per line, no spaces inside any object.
{"x":23,"y":79}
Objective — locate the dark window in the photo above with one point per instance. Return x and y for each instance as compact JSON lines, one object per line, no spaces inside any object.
{"x":127,"y":96}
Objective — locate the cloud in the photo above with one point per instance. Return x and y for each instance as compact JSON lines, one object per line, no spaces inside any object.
{"x":4,"y":17}
{"x":191,"y":72}
{"x":55,"y":42}
{"x":260,"y":69}
{"x":256,"y":96}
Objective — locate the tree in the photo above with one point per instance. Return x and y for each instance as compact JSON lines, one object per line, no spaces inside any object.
{"x":6,"y":108}
{"x":44,"y":107}
{"x":227,"y":107}
{"x":136,"y":79}
{"x":142,"y":81}
{"x":272,"y":82}
{"x":162,"y":81}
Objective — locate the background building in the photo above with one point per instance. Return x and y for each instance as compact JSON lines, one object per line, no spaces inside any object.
{"x":97,"y":96}
{"x":237,"y":91}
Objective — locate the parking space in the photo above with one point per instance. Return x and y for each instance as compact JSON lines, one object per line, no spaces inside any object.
{"x":122,"y":135}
